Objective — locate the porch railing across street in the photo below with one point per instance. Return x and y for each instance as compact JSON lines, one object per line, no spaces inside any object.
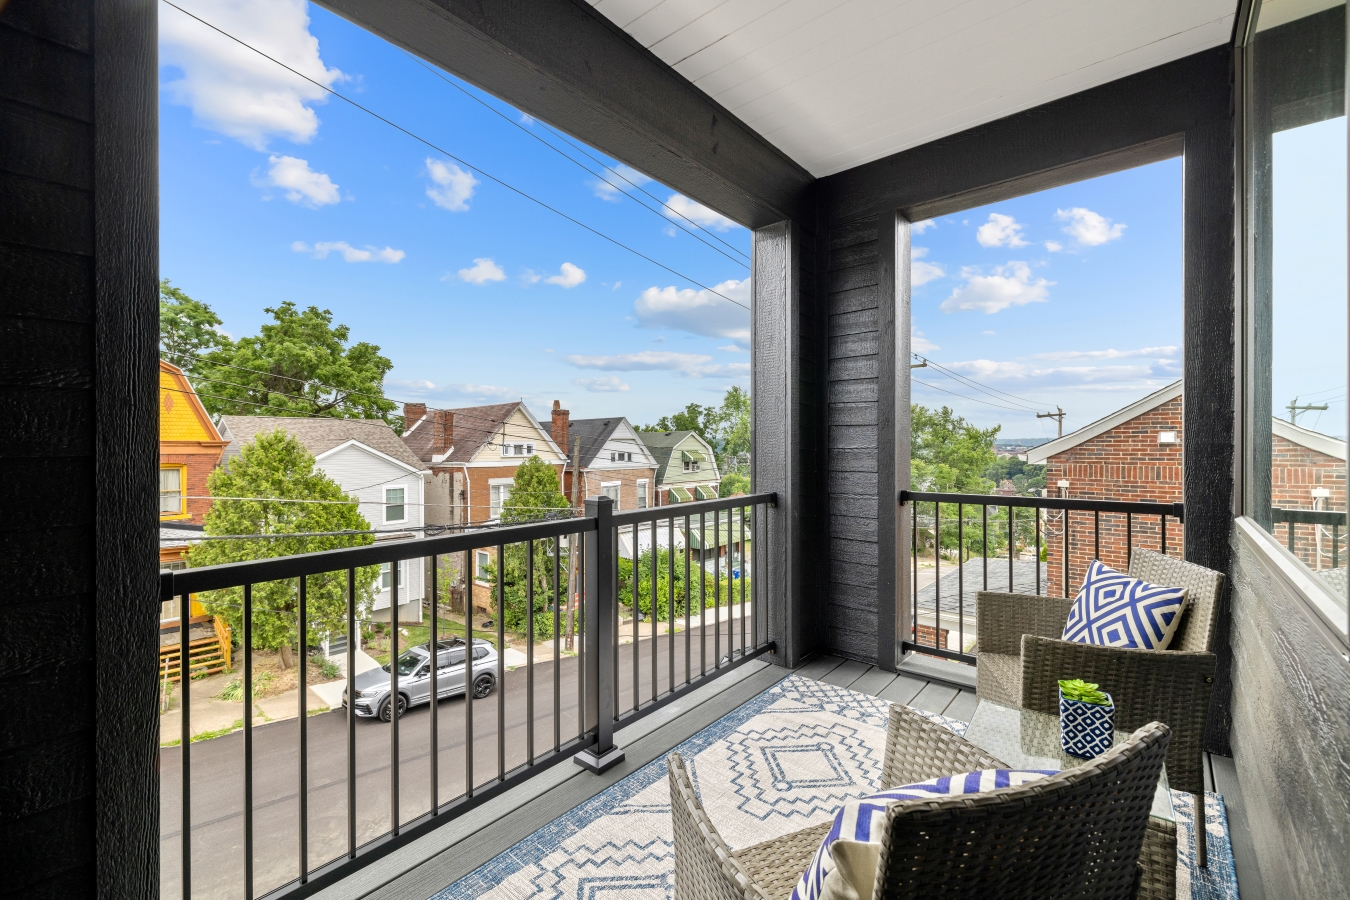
{"x":670,"y":552}
{"x":1014,"y":531}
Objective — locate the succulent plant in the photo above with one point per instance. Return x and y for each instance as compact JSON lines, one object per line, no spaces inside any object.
{"x":1087,"y":692}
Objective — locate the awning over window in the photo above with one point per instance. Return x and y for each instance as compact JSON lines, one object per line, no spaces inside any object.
{"x":692,"y":456}
{"x":705,"y":493}
{"x":680,"y":495}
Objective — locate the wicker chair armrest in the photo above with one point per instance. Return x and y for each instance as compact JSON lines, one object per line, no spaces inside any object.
{"x":1146,"y":686}
{"x":1001,"y":619}
{"x":705,"y":867}
{"x":917,"y":750}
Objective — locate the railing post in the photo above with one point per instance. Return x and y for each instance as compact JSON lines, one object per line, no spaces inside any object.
{"x":599,"y":638}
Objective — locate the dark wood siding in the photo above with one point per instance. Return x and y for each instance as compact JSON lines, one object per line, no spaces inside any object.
{"x":47,"y":429}
{"x":851,"y":463}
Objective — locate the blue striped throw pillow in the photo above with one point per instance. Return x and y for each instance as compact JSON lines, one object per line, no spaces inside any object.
{"x":1114,"y":610}
{"x":863,"y":819}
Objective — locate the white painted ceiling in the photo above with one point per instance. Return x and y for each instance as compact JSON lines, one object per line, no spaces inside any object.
{"x":837,"y":83}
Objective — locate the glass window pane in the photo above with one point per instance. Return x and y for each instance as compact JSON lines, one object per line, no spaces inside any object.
{"x":394,"y":509}
{"x":1296,"y":151}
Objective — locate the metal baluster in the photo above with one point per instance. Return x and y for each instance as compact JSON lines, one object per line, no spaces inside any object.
{"x":468,"y":672}
{"x":1290,"y":527}
{"x":1012,"y":539}
{"x":1163,"y":519}
{"x":529,"y":651}
{"x":960,"y":580}
{"x":393,"y":700}
{"x":984,"y":541}
{"x":1036,"y":526}
{"x":670,"y":598}
{"x":717,"y":590}
{"x":501,"y":662}
{"x":688,"y":592}
{"x":248,"y":736}
{"x":914,"y":550}
{"x":303,"y":836}
{"x":351,"y":713}
{"x":635,"y":592}
{"x":602,"y":618}
{"x":185,"y":739}
{"x":1129,"y":538}
{"x":702,"y":596}
{"x":557,"y":649}
{"x":1335,"y":550}
{"x":740,"y":535}
{"x":937,"y":573}
{"x":434,"y":646}
{"x":583,"y":572}
{"x":613,"y":625}
{"x":1066,"y":553}
{"x":1096,"y":534}
{"x":655,"y":618}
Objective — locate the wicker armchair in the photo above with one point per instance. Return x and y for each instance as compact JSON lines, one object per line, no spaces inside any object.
{"x":1082,"y":829}
{"x":1022,"y":658}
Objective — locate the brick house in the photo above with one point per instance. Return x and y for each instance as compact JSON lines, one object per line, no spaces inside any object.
{"x":472,"y":454}
{"x":686,"y":467}
{"x":613,"y":460}
{"x":1135,"y":454}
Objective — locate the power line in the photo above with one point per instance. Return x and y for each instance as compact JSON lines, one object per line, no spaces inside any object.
{"x":457,"y":159}
{"x":972,"y":399}
{"x":433,"y":70}
{"x":981,"y":387}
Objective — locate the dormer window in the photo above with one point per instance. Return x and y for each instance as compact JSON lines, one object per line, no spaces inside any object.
{"x":624,"y":456}
{"x":691,"y":465}
{"x":517,"y":449}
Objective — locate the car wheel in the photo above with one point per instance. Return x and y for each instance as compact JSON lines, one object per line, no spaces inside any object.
{"x":482,"y":686}
{"x":385,"y":707}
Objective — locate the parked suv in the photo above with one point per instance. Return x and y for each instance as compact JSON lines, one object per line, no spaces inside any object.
{"x":414,"y":677}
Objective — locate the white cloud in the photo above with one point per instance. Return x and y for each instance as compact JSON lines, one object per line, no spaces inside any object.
{"x":1054,"y":246}
{"x":606,"y":384}
{"x":698,"y":312}
{"x":483,"y":271}
{"x":530,"y":276}
{"x":412,"y":385}
{"x":730,"y":348}
{"x":920,"y":344}
{"x":351,"y":254}
{"x":301,"y":183}
{"x":526,"y":119}
{"x":693,"y":365}
{"x":234,"y":91}
{"x":482,"y":391}
{"x":451,"y":186}
{"x":1009,"y":370}
{"x":1089,"y":228}
{"x":569,"y":276}
{"x":614,"y":183}
{"x":696,"y":213}
{"x":986,"y":332}
{"x":1110,"y":354}
{"x":1000,"y":231}
{"x":1009,"y":285}
{"x":921,"y":227}
{"x":922,"y":272}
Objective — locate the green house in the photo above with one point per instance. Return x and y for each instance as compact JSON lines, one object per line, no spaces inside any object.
{"x":686,"y":469}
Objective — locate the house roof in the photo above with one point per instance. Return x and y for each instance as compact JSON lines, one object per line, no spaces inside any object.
{"x":319,"y":435}
{"x":663,"y":443}
{"x":1304,"y":437}
{"x":817,"y":80}
{"x":595,"y":433}
{"x":474,"y":427}
{"x":181,"y":414}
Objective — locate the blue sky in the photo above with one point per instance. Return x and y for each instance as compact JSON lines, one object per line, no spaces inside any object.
{"x":270,"y":191}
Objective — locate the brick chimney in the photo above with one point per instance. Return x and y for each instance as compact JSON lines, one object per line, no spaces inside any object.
{"x":412,"y":414}
{"x":442,"y":431}
{"x":560,"y":423}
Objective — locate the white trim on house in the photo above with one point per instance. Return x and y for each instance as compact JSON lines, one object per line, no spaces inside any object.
{"x":1038,"y":455}
{"x":403,"y":504}
{"x":1306,"y":437}
{"x":644,"y":500}
{"x":495,"y":514}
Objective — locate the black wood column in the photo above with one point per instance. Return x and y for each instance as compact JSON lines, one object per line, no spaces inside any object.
{"x":893,"y":432}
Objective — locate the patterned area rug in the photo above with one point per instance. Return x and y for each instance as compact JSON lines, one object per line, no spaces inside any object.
{"x":785,"y":760}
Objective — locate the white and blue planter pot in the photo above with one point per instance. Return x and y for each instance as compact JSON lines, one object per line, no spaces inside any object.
{"x":1086,"y":730}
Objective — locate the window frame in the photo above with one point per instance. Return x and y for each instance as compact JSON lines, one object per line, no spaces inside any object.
{"x":183,"y":512}
{"x":643,"y":486}
{"x":479,"y":556}
{"x":402,"y":505}
{"x":617,"y":496}
{"x":502,"y":486}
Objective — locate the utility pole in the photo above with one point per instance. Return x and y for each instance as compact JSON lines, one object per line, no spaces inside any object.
{"x":922,"y":365}
{"x":1295,"y":409}
{"x":572,"y":556}
{"x":1057,"y":416}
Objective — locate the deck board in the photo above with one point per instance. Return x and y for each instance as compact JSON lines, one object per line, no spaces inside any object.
{"x":874,"y":681}
{"x":962,"y":706}
{"x":903,"y":690}
{"x":819,"y":667}
{"x":934,"y":698}
{"x":847,"y":672}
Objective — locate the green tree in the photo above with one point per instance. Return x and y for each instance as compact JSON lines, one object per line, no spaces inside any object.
{"x":301,"y":364}
{"x":277,"y":471}
{"x":734,"y":422}
{"x":536,"y":492}
{"x":726,"y":428}
{"x":949,"y":454}
{"x":187,"y":329}
{"x":734,"y":483}
{"x":702,"y":420}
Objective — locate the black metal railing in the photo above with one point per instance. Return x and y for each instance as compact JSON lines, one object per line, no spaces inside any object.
{"x":1303,"y":542}
{"x":712,"y":555}
{"x":1052,"y":527}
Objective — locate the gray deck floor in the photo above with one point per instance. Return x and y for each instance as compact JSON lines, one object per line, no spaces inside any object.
{"x":427,"y":865}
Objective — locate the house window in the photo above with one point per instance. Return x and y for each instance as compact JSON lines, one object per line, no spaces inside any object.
{"x":387,"y":578}
{"x":481,"y":560}
{"x":394,"y":508}
{"x":642,"y":493}
{"x":624,"y":456}
{"x":518,"y":449}
{"x":498,"y":492}
{"x":171,"y":500}
{"x":691,"y":465}
{"x":611,"y":490}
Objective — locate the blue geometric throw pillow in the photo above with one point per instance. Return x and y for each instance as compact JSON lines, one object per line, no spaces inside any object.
{"x":1115,"y":610}
{"x":862,"y":819}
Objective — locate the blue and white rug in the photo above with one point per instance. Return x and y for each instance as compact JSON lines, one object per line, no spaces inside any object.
{"x":783,"y":761}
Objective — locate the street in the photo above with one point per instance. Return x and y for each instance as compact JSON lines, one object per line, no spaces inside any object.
{"x":218,"y":767}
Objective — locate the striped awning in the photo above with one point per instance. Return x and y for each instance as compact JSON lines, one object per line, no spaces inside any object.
{"x":680,"y":495}
{"x":705,"y":493}
{"x":692,"y":456}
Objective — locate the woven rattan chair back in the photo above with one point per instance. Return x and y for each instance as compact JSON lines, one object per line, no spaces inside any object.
{"x":1075,"y":834}
{"x":1196,"y":631}
{"x":705,"y":869}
